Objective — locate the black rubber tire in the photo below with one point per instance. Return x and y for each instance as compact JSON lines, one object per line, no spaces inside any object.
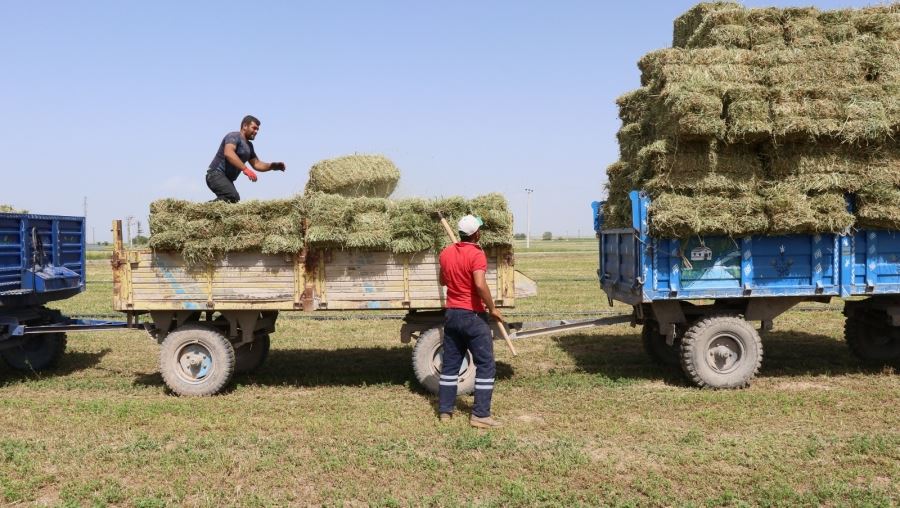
{"x":250,"y":357}
{"x":204,"y":344}
{"x":655,"y":345}
{"x":721,"y":352}
{"x":426,"y":363}
{"x":873,"y":339}
{"x":37,"y":353}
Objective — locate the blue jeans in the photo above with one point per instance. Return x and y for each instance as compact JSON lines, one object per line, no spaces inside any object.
{"x":465,"y":331}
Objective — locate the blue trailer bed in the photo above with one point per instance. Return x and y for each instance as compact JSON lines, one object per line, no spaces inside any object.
{"x":683,"y":288}
{"x":42,"y":258}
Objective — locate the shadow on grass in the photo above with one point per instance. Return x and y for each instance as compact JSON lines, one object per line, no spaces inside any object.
{"x":617,"y":357}
{"x":71,"y":362}
{"x":332,"y":367}
{"x":785,"y":354}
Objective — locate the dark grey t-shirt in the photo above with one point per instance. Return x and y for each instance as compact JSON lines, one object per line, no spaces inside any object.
{"x":244,"y":150}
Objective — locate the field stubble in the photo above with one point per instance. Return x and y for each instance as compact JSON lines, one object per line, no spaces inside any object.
{"x":334,"y":416}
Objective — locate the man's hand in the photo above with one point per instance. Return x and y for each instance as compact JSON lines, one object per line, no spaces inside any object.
{"x":250,"y":173}
{"x":495,"y":313}
{"x":277,"y":166}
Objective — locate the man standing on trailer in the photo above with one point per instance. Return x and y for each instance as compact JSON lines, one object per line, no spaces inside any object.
{"x":235,"y":150}
{"x":466,"y":328}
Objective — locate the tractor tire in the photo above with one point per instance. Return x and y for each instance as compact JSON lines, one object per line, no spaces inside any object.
{"x":721,"y":352}
{"x":656,"y":347}
{"x":250,"y":357}
{"x":874,"y":341}
{"x":37,"y":353}
{"x":426,"y":358}
{"x":196,"y":360}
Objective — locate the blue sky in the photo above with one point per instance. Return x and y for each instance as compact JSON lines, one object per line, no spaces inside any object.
{"x":126,"y":102}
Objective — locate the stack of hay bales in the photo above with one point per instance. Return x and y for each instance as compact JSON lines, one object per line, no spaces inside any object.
{"x":355,"y":214}
{"x":203,"y":232}
{"x":764,"y":121}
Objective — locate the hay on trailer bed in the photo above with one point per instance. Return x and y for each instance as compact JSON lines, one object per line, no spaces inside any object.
{"x":354,"y":176}
{"x":204,"y":232}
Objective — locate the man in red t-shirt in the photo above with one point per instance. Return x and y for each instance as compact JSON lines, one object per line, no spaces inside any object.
{"x":466,"y":327}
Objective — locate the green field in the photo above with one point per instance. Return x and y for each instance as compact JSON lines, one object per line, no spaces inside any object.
{"x":334,"y":417}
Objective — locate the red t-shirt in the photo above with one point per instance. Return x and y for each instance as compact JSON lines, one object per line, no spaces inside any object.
{"x":458,"y":262}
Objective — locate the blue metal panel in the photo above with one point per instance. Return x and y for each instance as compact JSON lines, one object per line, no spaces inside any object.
{"x":61,"y":260}
{"x":847,"y":263}
{"x":722,"y":267}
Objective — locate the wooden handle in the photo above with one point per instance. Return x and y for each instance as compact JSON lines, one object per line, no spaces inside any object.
{"x":448,"y":230}
{"x":512,"y":349}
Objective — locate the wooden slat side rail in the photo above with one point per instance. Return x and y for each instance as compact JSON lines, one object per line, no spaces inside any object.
{"x":312,"y":280}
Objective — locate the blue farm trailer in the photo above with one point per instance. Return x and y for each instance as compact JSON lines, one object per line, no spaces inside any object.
{"x":42,"y":259}
{"x":696,"y":297}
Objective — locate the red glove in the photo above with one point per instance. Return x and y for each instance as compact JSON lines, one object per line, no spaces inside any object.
{"x":250,"y":173}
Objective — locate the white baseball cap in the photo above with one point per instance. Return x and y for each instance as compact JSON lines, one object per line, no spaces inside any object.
{"x":469,"y":224}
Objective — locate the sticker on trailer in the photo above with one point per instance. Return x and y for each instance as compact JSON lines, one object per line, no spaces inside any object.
{"x":701,"y":254}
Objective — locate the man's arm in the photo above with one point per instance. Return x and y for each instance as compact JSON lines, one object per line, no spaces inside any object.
{"x":485,"y":293}
{"x":262,"y":167}
{"x":233,"y":159}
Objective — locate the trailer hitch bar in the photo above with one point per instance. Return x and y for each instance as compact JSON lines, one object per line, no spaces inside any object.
{"x":536,"y":329}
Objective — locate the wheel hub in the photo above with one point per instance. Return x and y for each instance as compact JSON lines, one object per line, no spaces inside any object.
{"x":195,"y":362}
{"x":724,"y":353}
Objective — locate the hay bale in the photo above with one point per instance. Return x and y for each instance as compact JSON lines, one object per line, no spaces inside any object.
{"x":11,"y":209}
{"x":329,"y":217}
{"x":354,"y":176}
{"x":702,"y":168}
{"x":747,"y":113}
{"x":634,"y":105}
{"x":792,"y":210}
{"x":686,"y":25}
{"x":369,"y":227}
{"x":498,"y":223}
{"x":724,"y":27}
{"x":632,"y":138}
{"x":878,"y":208}
{"x":675,"y":215}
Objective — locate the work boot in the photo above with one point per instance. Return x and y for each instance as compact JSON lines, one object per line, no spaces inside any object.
{"x":445,"y":417}
{"x":484,"y":422}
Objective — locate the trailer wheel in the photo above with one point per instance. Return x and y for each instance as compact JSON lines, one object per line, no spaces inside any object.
{"x":656,"y":347}
{"x":872,"y":343}
{"x":196,"y":360}
{"x":427,"y":356}
{"x":250,"y":357}
{"x":721,"y":352}
{"x":38,"y":352}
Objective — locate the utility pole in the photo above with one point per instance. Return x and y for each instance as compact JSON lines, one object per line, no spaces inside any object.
{"x":84,"y":210}
{"x":528,"y":218}
{"x":128,"y":221}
